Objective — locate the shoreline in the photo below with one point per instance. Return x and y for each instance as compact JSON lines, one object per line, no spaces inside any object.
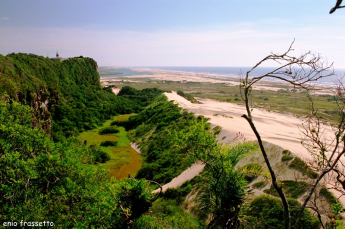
{"x":185,"y":77}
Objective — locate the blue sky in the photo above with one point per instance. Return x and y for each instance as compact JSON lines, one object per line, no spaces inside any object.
{"x":172,"y":32}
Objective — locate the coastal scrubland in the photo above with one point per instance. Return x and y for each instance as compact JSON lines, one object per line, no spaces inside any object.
{"x":54,"y":118}
{"x":272,"y":97}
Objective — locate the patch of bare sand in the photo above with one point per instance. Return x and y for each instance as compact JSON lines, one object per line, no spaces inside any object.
{"x":279,"y":129}
{"x":116,"y":90}
{"x":188,"y":174}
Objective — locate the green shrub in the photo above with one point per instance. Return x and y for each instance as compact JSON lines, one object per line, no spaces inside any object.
{"x":260,"y":184}
{"x":330,"y":198}
{"x":187,"y":96}
{"x":118,"y":123}
{"x":99,"y":155}
{"x":285,"y":151}
{"x":108,"y":143}
{"x":251,"y":171}
{"x":287,"y":155}
{"x":267,"y":212}
{"x":108,"y":130}
{"x":237,"y":99}
{"x":167,"y":214}
{"x":301,"y":166}
{"x":291,"y":188}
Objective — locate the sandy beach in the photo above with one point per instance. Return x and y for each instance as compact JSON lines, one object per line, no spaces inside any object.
{"x":276,"y":128}
{"x":185,"y":77}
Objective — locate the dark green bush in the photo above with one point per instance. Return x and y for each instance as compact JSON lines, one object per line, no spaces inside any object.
{"x":260,"y":184}
{"x":267,"y":212}
{"x":287,"y":155}
{"x":99,"y":155}
{"x":301,"y":166}
{"x":291,"y":188}
{"x":187,"y":96}
{"x":331,"y":199}
{"x":251,"y":171}
{"x":108,"y":143}
{"x":108,"y":130}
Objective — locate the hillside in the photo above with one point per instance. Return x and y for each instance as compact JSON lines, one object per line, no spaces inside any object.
{"x":66,"y":96}
{"x":47,"y":173}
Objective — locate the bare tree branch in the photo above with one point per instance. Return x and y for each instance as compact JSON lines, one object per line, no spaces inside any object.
{"x":302,"y":72}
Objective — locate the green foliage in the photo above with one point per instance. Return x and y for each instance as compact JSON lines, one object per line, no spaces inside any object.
{"x":43,"y":180}
{"x":336,"y":209}
{"x":99,"y":155}
{"x":267,"y":212}
{"x":134,"y":195}
{"x":260,"y":184}
{"x":187,"y":96}
{"x":330,"y":198}
{"x":224,"y":188}
{"x":291,"y":188}
{"x":162,"y":160}
{"x":108,"y":130}
{"x":301,"y":166}
{"x":251,"y":171}
{"x":67,"y":92}
{"x":287,"y":155}
{"x":181,"y":192}
{"x":108,"y":143}
{"x":167,"y":214}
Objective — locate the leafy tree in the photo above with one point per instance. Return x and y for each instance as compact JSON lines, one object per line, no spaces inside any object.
{"x":222,"y":196}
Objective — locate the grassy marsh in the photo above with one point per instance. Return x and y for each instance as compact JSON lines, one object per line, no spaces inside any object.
{"x":124,"y":160}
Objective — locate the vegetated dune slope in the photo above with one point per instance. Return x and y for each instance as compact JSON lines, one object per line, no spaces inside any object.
{"x":279,"y":129}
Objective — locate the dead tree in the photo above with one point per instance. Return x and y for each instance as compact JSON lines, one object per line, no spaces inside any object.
{"x":302,"y":72}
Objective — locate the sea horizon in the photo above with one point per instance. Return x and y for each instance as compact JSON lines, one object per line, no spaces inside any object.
{"x":233,"y":72}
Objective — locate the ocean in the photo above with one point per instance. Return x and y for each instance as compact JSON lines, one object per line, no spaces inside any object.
{"x":233,"y":72}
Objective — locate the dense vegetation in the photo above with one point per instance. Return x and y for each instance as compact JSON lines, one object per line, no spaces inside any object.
{"x":108,"y":130}
{"x":267,"y":212}
{"x":42,"y":180}
{"x":187,"y":96}
{"x":68,"y":92}
{"x":59,"y":179}
{"x":171,"y":140}
{"x":154,"y":127}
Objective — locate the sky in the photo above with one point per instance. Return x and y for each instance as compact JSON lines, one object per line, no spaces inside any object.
{"x":172,"y":32}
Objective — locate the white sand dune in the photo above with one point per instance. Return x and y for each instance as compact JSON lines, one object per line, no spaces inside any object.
{"x":279,"y":129}
{"x":276,"y":128}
